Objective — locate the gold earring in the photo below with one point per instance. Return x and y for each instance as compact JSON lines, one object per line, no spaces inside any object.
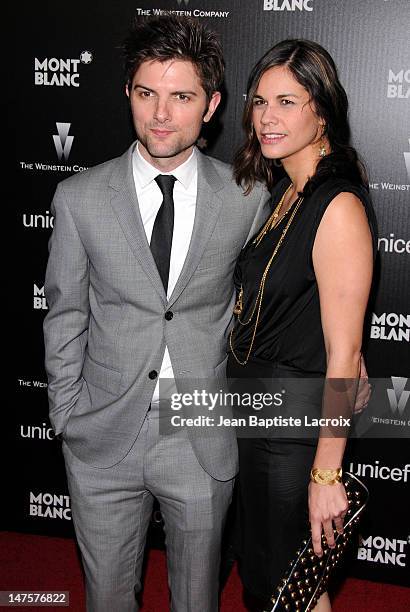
{"x":322,"y":149}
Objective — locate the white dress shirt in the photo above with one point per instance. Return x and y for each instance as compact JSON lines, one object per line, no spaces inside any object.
{"x":150,"y":199}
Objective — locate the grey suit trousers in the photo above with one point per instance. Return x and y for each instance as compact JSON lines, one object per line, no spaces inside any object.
{"x":111,"y":509}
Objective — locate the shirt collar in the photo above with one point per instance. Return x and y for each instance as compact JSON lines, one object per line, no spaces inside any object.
{"x":145,"y":172}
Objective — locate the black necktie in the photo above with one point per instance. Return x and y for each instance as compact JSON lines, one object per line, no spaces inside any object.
{"x":161,"y":239}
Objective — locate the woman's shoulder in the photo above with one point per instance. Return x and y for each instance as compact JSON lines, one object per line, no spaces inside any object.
{"x":347,"y":199}
{"x":340,"y":188}
{"x":336,"y":184}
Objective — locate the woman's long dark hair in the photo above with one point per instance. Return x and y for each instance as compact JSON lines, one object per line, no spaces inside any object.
{"x":314,"y":69}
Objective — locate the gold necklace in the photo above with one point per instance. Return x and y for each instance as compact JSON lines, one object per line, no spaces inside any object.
{"x":273,"y":219}
{"x":258,"y":301}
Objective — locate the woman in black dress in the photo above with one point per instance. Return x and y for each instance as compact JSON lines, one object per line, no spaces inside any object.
{"x":303,"y":284}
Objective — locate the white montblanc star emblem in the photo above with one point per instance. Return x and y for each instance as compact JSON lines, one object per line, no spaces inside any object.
{"x":201,"y":143}
{"x":86,"y":57}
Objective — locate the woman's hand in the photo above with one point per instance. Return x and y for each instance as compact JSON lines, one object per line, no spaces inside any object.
{"x":364,"y":389}
{"x":327,"y":506}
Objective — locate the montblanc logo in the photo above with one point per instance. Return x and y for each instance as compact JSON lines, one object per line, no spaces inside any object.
{"x":398,"y":397}
{"x":379,"y":549}
{"x":86,"y":57}
{"x":201,"y":143}
{"x":390,"y":326}
{"x":53,"y":71}
{"x":39,"y":300}
{"x":407,"y":160}
{"x":62,"y":141}
{"x":287,"y":5}
{"x":50,"y":505}
{"x":399,"y":84}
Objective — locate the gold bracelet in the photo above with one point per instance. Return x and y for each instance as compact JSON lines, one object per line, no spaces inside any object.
{"x":326,"y":477}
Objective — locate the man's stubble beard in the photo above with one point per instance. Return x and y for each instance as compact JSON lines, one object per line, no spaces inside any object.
{"x":156,"y":151}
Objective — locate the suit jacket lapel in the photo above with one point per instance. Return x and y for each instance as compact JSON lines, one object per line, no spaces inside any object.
{"x":208,"y":206}
{"x":125,"y":205}
{"x":263,"y":212}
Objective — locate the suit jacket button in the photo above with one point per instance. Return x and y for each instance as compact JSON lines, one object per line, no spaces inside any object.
{"x":169,"y":315}
{"x":153,"y":374}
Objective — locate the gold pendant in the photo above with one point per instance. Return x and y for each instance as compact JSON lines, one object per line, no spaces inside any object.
{"x":237,"y":310}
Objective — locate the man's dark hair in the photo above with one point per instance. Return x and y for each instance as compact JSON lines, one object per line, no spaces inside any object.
{"x":175,"y":37}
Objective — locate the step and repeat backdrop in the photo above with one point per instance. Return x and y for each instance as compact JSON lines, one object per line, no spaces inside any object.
{"x":72,"y":113}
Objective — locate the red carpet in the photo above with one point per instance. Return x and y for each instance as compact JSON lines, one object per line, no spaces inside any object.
{"x":29,"y":562}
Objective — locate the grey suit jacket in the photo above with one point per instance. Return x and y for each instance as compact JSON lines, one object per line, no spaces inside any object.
{"x":105,"y":329}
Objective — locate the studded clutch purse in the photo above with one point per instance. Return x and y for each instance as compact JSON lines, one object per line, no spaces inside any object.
{"x":309,"y":574}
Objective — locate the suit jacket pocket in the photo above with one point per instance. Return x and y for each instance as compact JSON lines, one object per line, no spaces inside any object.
{"x":101,"y":376}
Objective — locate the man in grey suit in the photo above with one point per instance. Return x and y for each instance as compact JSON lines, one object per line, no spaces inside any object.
{"x":139,"y":287}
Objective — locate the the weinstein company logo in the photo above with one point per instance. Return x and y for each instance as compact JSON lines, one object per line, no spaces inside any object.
{"x":398,"y":397}
{"x":62,"y":141}
{"x":407,"y":161}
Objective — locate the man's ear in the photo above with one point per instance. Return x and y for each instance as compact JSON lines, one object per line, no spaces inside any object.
{"x":127,"y":91}
{"x":212,"y":106}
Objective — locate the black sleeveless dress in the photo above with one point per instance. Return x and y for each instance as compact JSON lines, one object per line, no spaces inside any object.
{"x":274,"y":473}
